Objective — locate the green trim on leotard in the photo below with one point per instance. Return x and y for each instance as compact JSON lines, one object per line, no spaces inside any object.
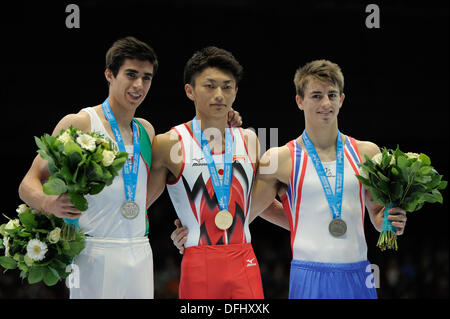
{"x":146,"y":152}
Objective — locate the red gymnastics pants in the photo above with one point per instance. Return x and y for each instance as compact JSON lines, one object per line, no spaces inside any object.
{"x":220,"y":272}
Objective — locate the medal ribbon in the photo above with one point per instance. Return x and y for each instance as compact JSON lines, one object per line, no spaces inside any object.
{"x":334,"y":200}
{"x":222,"y":189}
{"x":130,"y":172}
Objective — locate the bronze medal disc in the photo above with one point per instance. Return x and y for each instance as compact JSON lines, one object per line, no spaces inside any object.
{"x":337,"y":227}
{"x":224,"y":219}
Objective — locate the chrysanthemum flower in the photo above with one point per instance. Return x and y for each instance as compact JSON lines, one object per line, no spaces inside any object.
{"x":87,"y":142}
{"x":36,"y":249}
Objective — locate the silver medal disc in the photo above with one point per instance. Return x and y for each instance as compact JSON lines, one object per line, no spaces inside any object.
{"x":337,"y":227}
{"x":129,"y":210}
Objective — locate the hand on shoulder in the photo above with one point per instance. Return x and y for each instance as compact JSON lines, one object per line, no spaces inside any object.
{"x":252,"y":142}
{"x":276,"y":163}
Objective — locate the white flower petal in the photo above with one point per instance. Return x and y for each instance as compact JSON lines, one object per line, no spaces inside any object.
{"x":36,"y":249}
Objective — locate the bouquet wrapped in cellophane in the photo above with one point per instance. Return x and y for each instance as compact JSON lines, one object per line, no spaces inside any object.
{"x":397,"y":179}
{"x":79,"y":164}
{"x":33,"y":243}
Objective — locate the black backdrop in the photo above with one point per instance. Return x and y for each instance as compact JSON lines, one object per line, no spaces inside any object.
{"x":396,"y":86}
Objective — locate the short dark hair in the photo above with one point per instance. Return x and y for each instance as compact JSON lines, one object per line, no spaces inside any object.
{"x":129,"y":48}
{"x":211,"y":57}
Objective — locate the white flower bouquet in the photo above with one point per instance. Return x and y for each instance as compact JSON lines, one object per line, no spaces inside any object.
{"x":397,"y":179}
{"x":33,"y":243}
{"x":79,"y":164}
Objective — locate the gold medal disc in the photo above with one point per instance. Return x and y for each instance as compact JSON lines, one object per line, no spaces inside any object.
{"x":224,"y":219}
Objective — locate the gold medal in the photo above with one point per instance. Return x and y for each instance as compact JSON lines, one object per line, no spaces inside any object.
{"x":224,"y":219}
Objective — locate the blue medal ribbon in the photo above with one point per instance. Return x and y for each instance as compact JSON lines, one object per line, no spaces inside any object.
{"x":222,"y":189}
{"x":130,"y":171}
{"x":334,"y":200}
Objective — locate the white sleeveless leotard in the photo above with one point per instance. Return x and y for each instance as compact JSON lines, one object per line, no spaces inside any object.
{"x":117,"y":260}
{"x":103,"y":217}
{"x":309,"y":213}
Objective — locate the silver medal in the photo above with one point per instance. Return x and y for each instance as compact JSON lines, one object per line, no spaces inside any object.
{"x":337,"y":227}
{"x":129,"y":210}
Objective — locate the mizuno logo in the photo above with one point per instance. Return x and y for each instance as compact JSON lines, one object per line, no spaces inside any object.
{"x":198,"y":162}
{"x":250,"y":262}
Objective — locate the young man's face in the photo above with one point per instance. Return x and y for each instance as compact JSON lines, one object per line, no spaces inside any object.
{"x":132,"y":83}
{"x":213,"y":93}
{"x":321,"y":102}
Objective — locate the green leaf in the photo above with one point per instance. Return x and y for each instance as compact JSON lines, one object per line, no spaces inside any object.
{"x":96,"y":188}
{"x":95,"y":172}
{"x":65,"y":172}
{"x":395,"y":171}
{"x":410,"y":206}
{"x":98,"y":155}
{"x":415,"y":167}
{"x":107,"y":174}
{"x":402,"y":162}
{"x":398,"y":153}
{"x":71,"y":146}
{"x":118,"y":163}
{"x":52,"y":168}
{"x":55,"y":186}
{"x":430,"y":198}
{"x":58,"y":264}
{"x":422,"y":179}
{"x":442,"y":185}
{"x":48,"y":140}
{"x":28,"y":220}
{"x":74,"y":158}
{"x":24,"y":234}
{"x":377,"y":197}
{"x":35,"y":275}
{"x":76,"y":247}
{"x":437,"y":195}
{"x":384,"y":187}
{"x":435,"y":181}
{"x":22,"y":266}
{"x":40,"y":144}
{"x":45,"y":156}
{"x":364,"y":181}
{"x":425,"y":170}
{"x":396,"y":191}
{"x":78,"y":201}
{"x":8,"y":262}
{"x":65,"y":244}
{"x":425,"y":159}
{"x":386,"y":158}
{"x":51,"y":276}
{"x":382,"y":177}
{"x":82,"y":180}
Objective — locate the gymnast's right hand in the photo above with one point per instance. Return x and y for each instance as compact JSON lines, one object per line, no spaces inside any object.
{"x":61,"y":207}
{"x":179,"y":236}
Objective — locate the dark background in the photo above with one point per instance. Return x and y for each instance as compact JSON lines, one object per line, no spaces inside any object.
{"x":396,"y":86}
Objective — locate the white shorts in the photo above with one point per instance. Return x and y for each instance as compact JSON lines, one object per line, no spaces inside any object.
{"x":114,"y":268}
